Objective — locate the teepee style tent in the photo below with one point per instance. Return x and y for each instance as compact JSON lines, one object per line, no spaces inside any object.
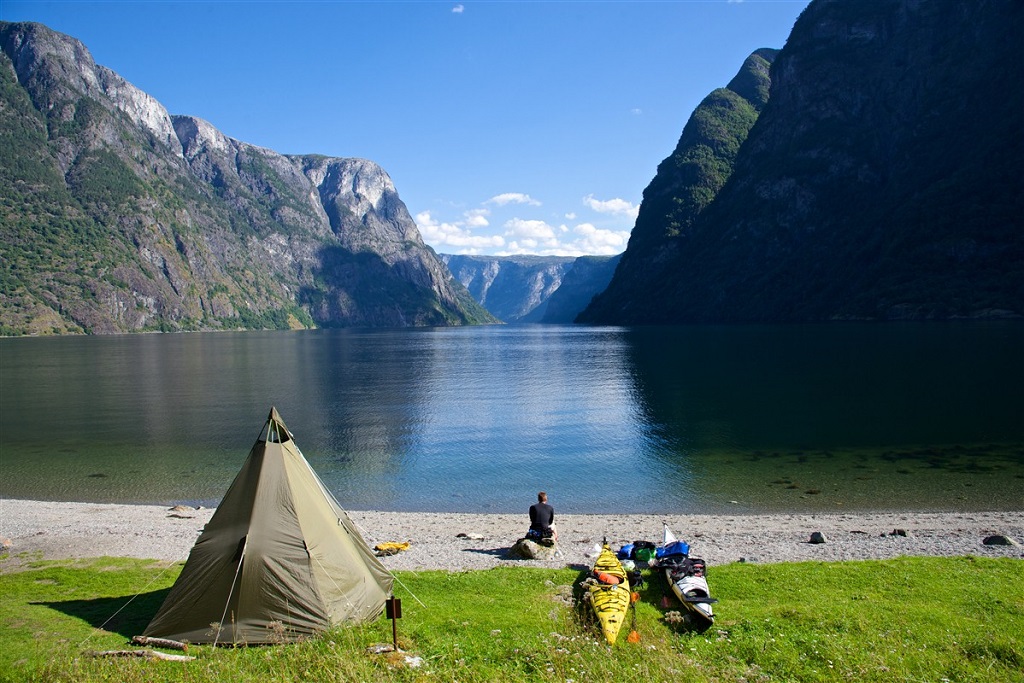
{"x":279,"y":560}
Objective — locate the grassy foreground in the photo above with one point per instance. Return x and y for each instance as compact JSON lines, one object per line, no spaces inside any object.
{"x":911,"y":619}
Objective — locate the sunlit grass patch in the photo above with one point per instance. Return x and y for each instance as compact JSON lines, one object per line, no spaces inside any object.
{"x":961,"y":619}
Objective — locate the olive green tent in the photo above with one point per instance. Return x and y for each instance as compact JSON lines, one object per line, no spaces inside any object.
{"x":279,"y":560}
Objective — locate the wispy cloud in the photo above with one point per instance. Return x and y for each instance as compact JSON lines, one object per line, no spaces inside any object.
{"x":458,"y":9}
{"x":611,"y":206}
{"x":512,"y":198}
{"x":636,"y":111}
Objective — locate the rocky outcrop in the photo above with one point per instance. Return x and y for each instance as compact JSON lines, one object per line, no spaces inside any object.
{"x":57,"y":70}
{"x":122,"y":218}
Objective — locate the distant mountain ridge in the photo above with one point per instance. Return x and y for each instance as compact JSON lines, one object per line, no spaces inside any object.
{"x":882,"y":179}
{"x":532,"y":289}
{"x":118,"y":217}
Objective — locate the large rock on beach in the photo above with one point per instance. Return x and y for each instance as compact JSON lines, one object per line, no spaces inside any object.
{"x":999,"y":539}
{"x":529,"y":550}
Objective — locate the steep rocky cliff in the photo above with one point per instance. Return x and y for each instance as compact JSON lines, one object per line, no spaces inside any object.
{"x":883,"y":179}
{"x":118,"y":217}
{"x":513,"y":288}
{"x":588,"y":277}
{"x":533,"y":289}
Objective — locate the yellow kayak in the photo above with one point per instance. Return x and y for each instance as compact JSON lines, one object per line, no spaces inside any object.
{"x":609,"y":596}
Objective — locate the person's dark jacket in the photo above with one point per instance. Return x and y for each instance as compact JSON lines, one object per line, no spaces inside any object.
{"x":542,"y":516}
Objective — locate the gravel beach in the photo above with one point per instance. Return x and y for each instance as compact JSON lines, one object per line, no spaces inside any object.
{"x":33,"y":529}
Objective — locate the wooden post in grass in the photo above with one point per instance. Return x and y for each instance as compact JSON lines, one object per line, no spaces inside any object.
{"x":393,"y":609}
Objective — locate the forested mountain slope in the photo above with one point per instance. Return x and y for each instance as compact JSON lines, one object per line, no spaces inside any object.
{"x":118,"y":217}
{"x":883,"y":179}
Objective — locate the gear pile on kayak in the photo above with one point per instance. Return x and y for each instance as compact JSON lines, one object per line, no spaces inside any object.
{"x":687,"y":576}
{"x":609,"y":587}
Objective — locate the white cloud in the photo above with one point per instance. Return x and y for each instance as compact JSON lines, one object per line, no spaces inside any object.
{"x":542,"y":239}
{"x":457,"y":235}
{"x":636,"y":111}
{"x":458,"y":9}
{"x":537,"y":232}
{"x":474,"y":233}
{"x":477,"y":218}
{"x":600,"y":242}
{"x":612,"y":206}
{"x":512,"y":198}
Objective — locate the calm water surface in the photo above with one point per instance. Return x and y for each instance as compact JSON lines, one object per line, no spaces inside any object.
{"x":686,"y":419}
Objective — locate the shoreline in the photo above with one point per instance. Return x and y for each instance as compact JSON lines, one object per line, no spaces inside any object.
{"x":61,"y":530}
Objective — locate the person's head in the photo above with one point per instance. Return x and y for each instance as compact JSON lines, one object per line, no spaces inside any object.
{"x":542,"y":497}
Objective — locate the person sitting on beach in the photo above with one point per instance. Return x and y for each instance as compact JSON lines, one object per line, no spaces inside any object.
{"x":542,"y":516}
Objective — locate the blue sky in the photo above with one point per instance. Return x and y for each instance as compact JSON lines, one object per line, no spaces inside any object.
{"x":508,"y":127}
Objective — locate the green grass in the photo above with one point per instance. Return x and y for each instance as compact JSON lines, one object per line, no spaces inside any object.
{"x":911,"y":619}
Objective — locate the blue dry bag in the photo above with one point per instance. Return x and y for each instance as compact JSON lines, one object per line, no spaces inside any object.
{"x":673,"y":548}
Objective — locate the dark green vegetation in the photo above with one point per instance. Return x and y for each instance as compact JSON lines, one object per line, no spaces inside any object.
{"x":117,"y":217}
{"x":883,"y":178}
{"x":958,"y":619}
{"x":686,"y":182}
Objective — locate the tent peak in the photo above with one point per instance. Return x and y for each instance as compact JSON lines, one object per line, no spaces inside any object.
{"x":275,"y":430}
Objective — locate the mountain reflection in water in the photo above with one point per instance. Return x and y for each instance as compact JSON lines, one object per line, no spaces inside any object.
{"x":912,"y":416}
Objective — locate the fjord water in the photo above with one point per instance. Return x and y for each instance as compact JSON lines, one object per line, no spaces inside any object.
{"x":689,"y":419}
